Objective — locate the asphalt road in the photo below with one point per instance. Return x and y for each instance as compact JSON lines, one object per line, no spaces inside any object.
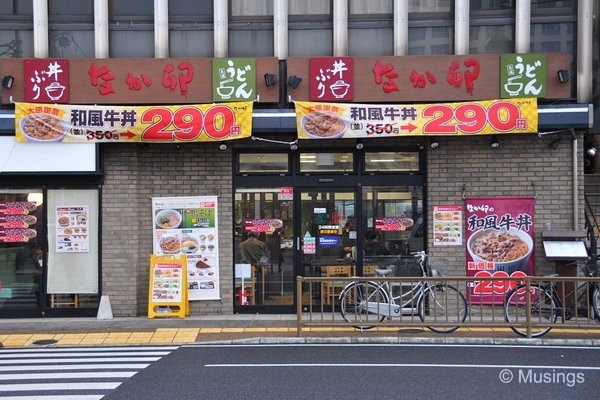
{"x":368,"y":372}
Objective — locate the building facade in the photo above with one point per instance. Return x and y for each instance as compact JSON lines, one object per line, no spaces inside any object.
{"x":312,"y":202}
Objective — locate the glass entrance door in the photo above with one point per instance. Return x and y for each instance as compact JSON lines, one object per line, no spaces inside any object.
{"x":328,"y":236}
{"x":264,"y":262}
{"x":21,"y":253}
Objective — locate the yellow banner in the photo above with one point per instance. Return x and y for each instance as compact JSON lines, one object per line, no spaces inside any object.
{"x":339,"y":120}
{"x":148,"y":124}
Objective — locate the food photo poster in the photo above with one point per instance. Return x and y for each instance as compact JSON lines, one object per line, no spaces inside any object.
{"x":72,"y":229}
{"x":500,"y":243}
{"x":188,"y":225}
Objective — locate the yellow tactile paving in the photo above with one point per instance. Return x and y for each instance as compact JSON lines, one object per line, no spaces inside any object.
{"x":279,"y":329}
{"x":210,"y":330}
{"x":232,"y":330}
{"x":254,"y":330}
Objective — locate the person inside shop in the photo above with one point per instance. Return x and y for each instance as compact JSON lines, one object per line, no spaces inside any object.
{"x":275,"y":253}
{"x":373,"y":245}
{"x":255,"y":252}
{"x":348,"y":235}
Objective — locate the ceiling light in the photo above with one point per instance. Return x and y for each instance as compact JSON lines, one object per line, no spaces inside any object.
{"x":592,"y":151}
{"x":433,"y":143}
{"x":359,"y":145}
{"x":494,"y":144}
{"x":223,"y":146}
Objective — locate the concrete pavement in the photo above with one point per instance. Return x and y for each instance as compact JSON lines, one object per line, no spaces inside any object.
{"x":250,"y":328}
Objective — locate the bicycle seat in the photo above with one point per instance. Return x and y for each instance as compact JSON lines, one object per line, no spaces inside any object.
{"x":383,"y":272}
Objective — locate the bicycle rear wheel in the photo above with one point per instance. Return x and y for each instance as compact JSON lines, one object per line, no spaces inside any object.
{"x":354,"y":301}
{"x":543,"y":310}
{"x":442,"y":303}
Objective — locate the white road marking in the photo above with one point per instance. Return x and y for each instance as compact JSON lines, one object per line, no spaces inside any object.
{"x":400,"y":366}
{"x":52,"y":397}
{"x":17,"y":387}
{"x":15,"y":368}
{"x":87,"y":349}
{"x":484,"y":346}
{"x":70,"y":354}
{"x":67,"y":375}
{"x":92,"y":359}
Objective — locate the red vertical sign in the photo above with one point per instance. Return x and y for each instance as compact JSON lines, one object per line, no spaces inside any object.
{"x":331,"y":79}
{"x":46,"y":80}
{"x":500,"y":243}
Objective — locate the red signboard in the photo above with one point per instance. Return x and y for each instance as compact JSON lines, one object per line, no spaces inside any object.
{"x":46,"y":80}
{"x":331,"y":78}
{"x":500,"y":243}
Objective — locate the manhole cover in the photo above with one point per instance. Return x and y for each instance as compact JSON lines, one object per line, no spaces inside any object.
{"x":45,"y":341}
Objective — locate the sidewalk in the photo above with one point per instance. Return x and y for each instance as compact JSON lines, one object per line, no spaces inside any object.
{"x":251,"y":329}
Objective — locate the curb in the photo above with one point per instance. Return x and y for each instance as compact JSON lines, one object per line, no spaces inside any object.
{"x":391,"y":340}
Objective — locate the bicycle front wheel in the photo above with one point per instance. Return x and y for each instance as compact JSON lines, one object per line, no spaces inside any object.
{"x":543,"y":310}
{"x":356,"y":301}
{"x":445,"y":304}
{"x":596,"y":302}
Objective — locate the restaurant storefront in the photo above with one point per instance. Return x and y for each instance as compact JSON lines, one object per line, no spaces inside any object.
{"x":318,"y":204}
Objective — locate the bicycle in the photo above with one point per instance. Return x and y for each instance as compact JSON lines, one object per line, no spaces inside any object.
{"x":436,"y":302}
{"x":546,"y":304}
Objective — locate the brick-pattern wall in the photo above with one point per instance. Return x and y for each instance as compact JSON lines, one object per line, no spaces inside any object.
{"x":133,"y":175}
{"x":523,"y":165}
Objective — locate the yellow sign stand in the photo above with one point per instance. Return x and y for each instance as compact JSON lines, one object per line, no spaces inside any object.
{"x":168,"y":289}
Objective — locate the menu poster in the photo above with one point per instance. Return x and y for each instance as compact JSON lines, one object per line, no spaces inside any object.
{"x":500,"y":244}
{"x":188,"y":225}
{"x":447,"y":226}
{"x":17,"y":224}
{"x":72,"y":229}
{"x":166,"y":282}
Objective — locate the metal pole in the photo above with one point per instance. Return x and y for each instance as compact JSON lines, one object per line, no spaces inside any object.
{"x":298,"y":306}
{"x":528,"y":305}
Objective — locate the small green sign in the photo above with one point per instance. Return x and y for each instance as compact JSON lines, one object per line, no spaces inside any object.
{"x":234,"y":79}
{"x":523,"y":75}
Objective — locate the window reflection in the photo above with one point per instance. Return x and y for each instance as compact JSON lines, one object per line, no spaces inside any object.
{"x":391,"y":162}
{"x":263,"y":162}
{"x":326,"y":162}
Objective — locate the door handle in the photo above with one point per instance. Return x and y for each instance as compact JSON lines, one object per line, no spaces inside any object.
{"x":298,"y":243}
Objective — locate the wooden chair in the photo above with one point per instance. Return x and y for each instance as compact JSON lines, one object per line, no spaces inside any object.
{"x":369,"y":270}
{"x":330,"y":289}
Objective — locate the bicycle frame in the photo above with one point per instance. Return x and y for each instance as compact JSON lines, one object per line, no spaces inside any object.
{"x":408,"y":301}
{"x":394,"y":308}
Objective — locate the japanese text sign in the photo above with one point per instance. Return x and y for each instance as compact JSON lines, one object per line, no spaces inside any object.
{"x":331,"y":121}
{"x":331,"y":78}
{"x":234,"y":79}
{"x":523,"y":75}
{"x":150,"y":124}
{"x":46,"y":80}
{"x":500,"y":243}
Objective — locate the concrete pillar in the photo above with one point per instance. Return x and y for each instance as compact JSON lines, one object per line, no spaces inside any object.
{"x":101,"y":23}
{"x":461,"y":27}
{"x":340,"y":28}
{"x":523,"y":26}
{"x":161,"y":28}
{"x":280,"y":29}
{"x":40,"y":28}
{"x":400,"y":27}
{"x":221,"y":41}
